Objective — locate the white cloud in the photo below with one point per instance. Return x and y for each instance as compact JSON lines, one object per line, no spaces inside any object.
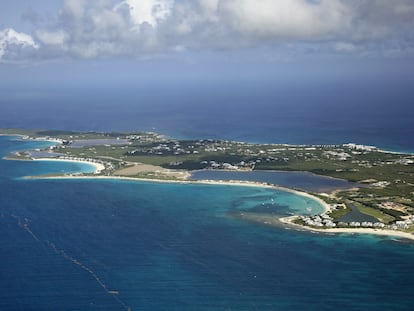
{"x":102,"y":28}
{"x":292,"y":19}
{"x":52,"y":37}
{"x":11,"y":39}
{"x":75,"y":8}
{"x":149,"y":11}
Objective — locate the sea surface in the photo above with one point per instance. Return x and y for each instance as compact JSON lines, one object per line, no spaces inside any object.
{"x":289,"y":111}
{"x":113,"y":245}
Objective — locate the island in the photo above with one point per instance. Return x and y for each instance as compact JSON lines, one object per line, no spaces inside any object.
{"x":380,"y":202}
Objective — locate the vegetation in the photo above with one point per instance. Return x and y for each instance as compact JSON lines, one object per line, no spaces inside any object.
{"x":338,"y":213}
{"x":376,"y":213}
{"x":386,"y":180}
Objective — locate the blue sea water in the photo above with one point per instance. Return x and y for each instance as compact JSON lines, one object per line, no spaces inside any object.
{"x":114,"y":245}
{"x":265,"y":111}
{"x":13,"y":144}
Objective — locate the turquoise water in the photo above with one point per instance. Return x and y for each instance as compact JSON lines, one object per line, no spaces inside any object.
{"x":110,"y":245}
{"x":18,"y":169}
{"x":296,"y":180}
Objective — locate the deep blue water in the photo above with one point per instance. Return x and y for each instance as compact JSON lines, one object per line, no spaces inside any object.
{"x":272,"y":111}
{"x":65,"y":243}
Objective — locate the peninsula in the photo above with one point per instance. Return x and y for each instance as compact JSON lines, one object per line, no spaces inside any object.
{"x":381,"y":203}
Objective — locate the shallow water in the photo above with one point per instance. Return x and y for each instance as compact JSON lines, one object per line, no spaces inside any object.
{"x":111,"y":244}
{"x":298,"y":180}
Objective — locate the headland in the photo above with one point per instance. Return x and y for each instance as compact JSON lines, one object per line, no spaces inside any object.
{"x":385,"y":192}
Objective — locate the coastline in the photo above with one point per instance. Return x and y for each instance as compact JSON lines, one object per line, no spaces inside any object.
{"x":274,"y":171}
{"x":380,"y":232}
{"x":12,"y":135}
{"x":378,"y":148}
{"x":98,"y":166}
{"x":239,"y":183}
{"x":27,"y":137}
{"x":284,"y":220}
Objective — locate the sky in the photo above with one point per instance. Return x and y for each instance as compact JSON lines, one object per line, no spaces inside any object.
{"x":206,"y":65}
{"x":79,"y":43}
{"x":39,"y":31}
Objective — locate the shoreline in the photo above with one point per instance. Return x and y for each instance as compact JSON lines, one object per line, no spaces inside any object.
{"x":286,"y":220}
{"x":236,"y":183}
{"x":378,"y":148}
{"x":372,"y":231}
{"x":274,"y":171}
{"x":98,"y":166}
{"x":357,"y":184}
{"x":27,"y":137}
{"x":12,"y":135}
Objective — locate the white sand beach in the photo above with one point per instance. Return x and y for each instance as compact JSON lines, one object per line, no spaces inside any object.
{"x":286,"y":220}
{"x":98,"y":166}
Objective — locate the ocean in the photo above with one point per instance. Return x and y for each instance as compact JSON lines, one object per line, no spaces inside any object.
{"x":291,"y":111}
{"x":113,"y":245}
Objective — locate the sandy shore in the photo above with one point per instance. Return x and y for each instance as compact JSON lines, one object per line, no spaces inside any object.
{"x":141,"y":168}
{"x":27,"y":137}
{"x":98,"y":166}
{"x":285,"y":220}
{"x":382,"y":232}
{"x":203,"y":182}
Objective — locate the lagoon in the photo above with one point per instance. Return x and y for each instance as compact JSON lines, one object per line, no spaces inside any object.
{"x":158,"y":246}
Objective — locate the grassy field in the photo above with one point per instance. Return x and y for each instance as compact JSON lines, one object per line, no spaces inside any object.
{"x":338,"y":213}
{"x":385,"y":218}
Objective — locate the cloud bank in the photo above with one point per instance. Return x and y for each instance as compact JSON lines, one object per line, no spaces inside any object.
{"x":138,"y":28}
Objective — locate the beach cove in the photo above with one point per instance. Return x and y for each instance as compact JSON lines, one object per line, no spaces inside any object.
{"x":266,"y":220}
{"x":158,"y":245}
{"x":291,"y":182}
